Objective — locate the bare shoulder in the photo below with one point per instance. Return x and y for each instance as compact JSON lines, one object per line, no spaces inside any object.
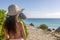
{"x":20,"y":24}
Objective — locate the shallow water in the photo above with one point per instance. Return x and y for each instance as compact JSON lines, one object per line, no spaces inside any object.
{"x":51,"y":22}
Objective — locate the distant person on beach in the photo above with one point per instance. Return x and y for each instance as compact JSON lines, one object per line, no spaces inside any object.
{"x":13,"y":29}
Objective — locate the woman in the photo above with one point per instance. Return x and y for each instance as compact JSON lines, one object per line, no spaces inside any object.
{"x":13,"y":29}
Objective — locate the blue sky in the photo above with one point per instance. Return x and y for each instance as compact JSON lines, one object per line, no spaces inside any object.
{"x":35,"y":8}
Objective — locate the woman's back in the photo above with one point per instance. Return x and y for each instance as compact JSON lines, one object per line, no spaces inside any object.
{"x":13,"y":29}
{"x":18,"y":33}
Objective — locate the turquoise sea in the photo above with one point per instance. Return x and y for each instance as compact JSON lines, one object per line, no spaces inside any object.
{"x":51,"y":22}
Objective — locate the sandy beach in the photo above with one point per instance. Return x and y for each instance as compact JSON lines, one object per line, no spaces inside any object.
{"x":38,"y":34}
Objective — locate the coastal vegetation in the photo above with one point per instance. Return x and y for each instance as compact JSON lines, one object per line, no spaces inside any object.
{"x":43,"y":26}
{"x":2,"y":19}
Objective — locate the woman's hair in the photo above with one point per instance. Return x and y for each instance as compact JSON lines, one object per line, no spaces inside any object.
{"x":10,"y":24}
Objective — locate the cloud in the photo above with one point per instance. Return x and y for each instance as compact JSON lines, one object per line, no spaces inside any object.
{"x":38,"y":14}
{"x":53,"y":15}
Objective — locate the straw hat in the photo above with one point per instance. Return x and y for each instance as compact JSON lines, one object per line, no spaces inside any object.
{"x":13,"y":10}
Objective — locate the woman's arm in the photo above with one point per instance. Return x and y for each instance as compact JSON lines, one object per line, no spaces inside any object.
{"x":5,"y":33}
{"x":22,"y":30}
